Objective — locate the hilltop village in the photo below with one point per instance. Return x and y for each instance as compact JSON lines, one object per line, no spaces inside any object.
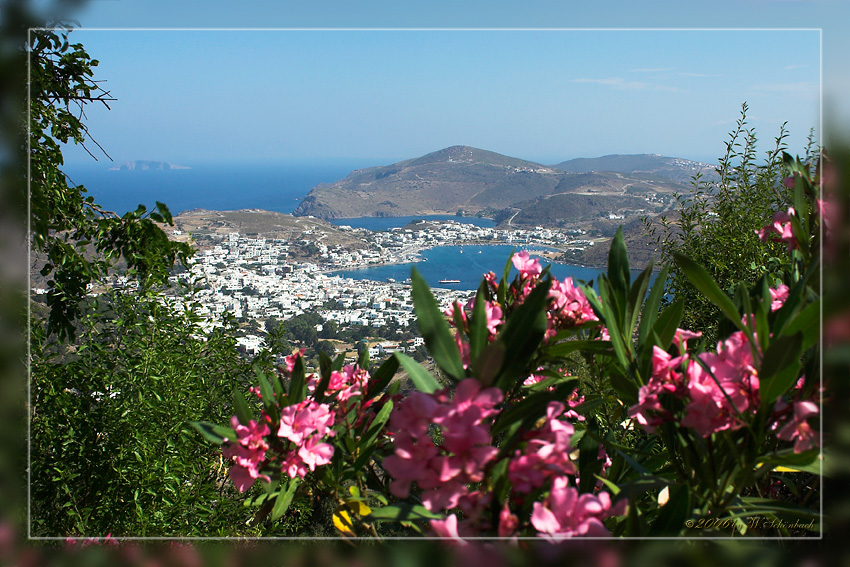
{"x":257,"y":278}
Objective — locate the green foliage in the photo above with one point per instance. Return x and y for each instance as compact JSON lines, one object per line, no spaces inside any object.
{"x":75,"y":238}
{"x":111,"y":449}
{"x":716,"y":224}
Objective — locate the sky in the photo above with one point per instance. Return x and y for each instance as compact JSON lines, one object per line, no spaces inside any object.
{"x":598,"y":87}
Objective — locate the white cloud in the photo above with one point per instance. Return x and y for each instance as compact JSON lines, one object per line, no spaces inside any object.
{"x":623,"y":84}
{"x":651,"y":70}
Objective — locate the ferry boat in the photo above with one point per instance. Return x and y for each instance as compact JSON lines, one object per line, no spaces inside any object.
{"x":449,"y":281}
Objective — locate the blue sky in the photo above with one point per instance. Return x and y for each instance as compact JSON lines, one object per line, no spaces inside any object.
{"x":230,"y":96}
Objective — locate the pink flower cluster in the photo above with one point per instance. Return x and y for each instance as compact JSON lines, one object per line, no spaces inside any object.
{"x":712,"y":403}
{"x":781,"y":227}
{"x":306,"y":424}
{"x":570,"y":307}
{"x":798,"y":428}
{"x":566,"y":513}
{"x":350,"y":382}
{"x":778,"y":295}
{"x":546,"y":454}
{"x":443,"y":471}
{"x":298,"y":442}
{"x":248,"y":453}
{"x":493,"y":316}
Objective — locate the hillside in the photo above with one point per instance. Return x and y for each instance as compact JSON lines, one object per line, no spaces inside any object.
{"x":475,"y":181}
{"x":199,"y":224}
{"x":649,"y":166}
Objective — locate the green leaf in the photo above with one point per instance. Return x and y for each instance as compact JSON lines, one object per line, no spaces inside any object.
{"x":667,"y":323}
{"x":706,"y":284}
{"x":488,"y":363}
{"x":265,"y":391}
{"x":214,"y":433}
{"x":618,"y":265}
{"x":588,"y":460}
{"x":779,"y":367}
{"x":284,"y":499}
{"x":434,"y":329}
{"x":807,"y":323}
{"x":478,"y":323}
{"x":241,"y":407}
{"x":649,"y":314}
{"x":297,"y":384}
{"x":420,"y":377}
{"x":671,"y":519}
{"x":376,"y":426}
{"x":522,"y":334}
{"x":321,"y":388}
{"x":636,"y":296}
{"x":403,"y":512}
{"x":325,"y":364}
{"x":611,"y":321}
{"x":382,"y":377}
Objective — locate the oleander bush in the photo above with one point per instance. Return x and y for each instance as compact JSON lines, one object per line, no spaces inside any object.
{"x":661,"y":435}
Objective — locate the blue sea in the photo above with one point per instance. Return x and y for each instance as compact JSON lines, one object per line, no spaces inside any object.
{"x":272,"y":187}
{"x":467,"y":264}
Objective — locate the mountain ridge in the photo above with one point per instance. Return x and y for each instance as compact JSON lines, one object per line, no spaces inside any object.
{"x":468,"y":180}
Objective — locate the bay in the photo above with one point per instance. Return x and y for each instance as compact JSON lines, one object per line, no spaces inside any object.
{"x":467,"y":264}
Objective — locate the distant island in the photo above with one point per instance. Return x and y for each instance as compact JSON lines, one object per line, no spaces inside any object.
{"x":469,"y":181}
{"x":146,"y":164}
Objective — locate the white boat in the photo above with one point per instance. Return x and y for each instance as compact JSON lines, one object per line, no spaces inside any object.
{"x":449,"y":281}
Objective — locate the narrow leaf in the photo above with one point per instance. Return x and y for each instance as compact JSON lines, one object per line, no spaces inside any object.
{"x":779,"y":367}
{"x":241,"y":407}
{"x":434,"y":328}
{"x":703,"y":281}
{"x":618,"y":265}
{"x":420,"y":377}
{"x":284,"y":499}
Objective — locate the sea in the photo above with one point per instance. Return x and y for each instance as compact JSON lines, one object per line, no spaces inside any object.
{"x":280,"y":188}
{"x":468,"y":264}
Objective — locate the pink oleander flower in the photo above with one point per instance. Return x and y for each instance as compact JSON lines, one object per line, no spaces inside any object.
{"x":545,"y":455}
{"x":443,"y":472}
{"x":493,"y":313}
{"x":464,"y":349}
{"x":508,"y":523}
{"x":708,"y":408}
{"x":778,"y":295}
{"x":348,"y":383}
{"x":299,"y":421}
{"x":780,"y":226}
{"x":569,"y":305}
{"x":533,"y":379}
{"x":527,"y":267}
{"x":681,"y":338}
{"x":289,"y":361}
{"x":293,"y":465}
{"x":245,"y":469}
{"x":247,"y":453}
{"x":566,"y":513}
{"x":447,"y":529}
{"x":315,"y":454}
{"x":798,"y":429}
